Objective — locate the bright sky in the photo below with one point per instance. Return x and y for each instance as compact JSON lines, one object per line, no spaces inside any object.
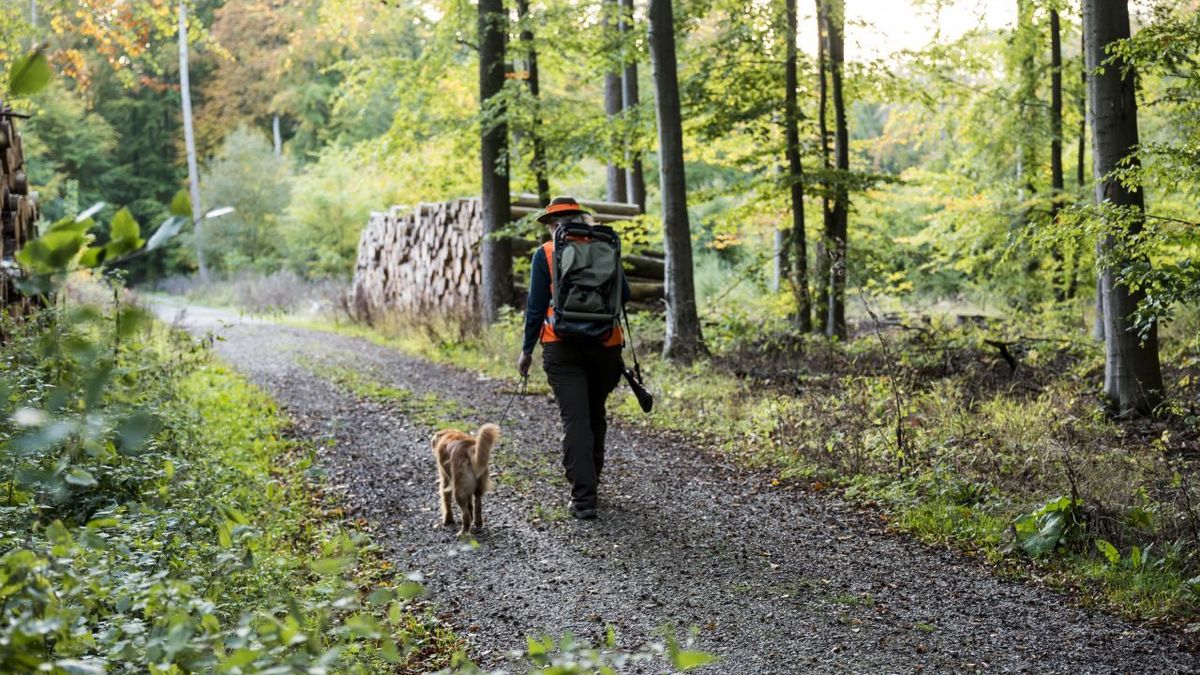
{"x":879,"y":28}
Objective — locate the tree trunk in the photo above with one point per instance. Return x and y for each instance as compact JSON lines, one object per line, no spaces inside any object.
{"x":189,"y":142}
{"x":277,"y":137}
{"x":684,"y":341}
{"x":1132,"y":374}
{"x":538,"y":164}
{"x":496,"y":256}
{"x":635,"y":179}
{"x":612,"y":106}
{"x":799,"y":240}
{"x":821,"y":278}
{"x":1056,"y":143}
{"x":834,"y":17}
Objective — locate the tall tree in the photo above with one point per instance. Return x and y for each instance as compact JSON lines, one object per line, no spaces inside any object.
{"x":684,"y":341}
{"x":799,"y":243}
{"x":635,"y":178}
{"x":821,"y":307}
{"x":532,"y":80}
{"x":496,"y":255}
{"x":1132,"y":374}
{"x":189,"y":141}
{"x":834,"y":22}
{"x":613,"y":101}
{"x":1056,"y":147}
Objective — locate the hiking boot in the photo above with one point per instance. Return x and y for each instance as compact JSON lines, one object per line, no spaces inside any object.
{"x":582,"y":511}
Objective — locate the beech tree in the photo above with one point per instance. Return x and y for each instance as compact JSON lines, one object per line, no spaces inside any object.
{"x":1132,"y":375}
{"x":821,"y":307}
{"x":799,"y":245}
{"x":683,"y":340}
{"x":635,"y":178}
{"x":613,"y":103}
{"x":496,"y":257}
{"x":839,"y":213}
{"x":538,"y":163}
{"x":1056,"y":147}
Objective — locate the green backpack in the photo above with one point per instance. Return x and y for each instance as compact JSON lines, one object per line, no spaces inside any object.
{"x":586,"y":280}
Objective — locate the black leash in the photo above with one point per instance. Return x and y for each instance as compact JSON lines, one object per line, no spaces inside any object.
{"x":521,"y":390}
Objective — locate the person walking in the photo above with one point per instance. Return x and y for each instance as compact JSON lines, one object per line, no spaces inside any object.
{"x":582,"y":371}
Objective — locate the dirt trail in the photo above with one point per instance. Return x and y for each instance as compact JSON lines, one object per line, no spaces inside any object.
{"x":777,"y":579}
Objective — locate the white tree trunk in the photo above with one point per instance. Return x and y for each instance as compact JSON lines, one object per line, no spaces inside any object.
{"x":189,"y":141}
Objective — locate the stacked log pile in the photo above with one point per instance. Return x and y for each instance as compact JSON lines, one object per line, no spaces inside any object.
{"x":425,"y":261}
{"x":18,"y":213}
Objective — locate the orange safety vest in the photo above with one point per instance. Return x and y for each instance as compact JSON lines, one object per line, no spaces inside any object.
{"x":615,"y":339}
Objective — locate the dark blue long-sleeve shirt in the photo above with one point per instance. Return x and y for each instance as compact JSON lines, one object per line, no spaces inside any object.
{"x":540,"y":295}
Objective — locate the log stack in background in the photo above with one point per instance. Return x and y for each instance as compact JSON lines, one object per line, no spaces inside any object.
{"x":18,"y":213}
{"x":424,"y":261}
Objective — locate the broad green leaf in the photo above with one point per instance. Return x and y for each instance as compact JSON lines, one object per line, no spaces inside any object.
{"x":124,"y":226}
{"x":134,"y":431}
{"x":686,"y":659}
{"x":30,"y":74}
{"x":409,"y":590}
{"x":166,"y":231}
{"x":390,"y":652}
{"x":1109,"y":551}
{"x":94,"y":256}
{"x":80,"y":478}
{"x":1050,"y":529}
{"x":181,"y":205}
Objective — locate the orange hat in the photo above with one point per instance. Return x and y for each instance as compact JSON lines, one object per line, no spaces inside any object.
{"x":561,"y":206}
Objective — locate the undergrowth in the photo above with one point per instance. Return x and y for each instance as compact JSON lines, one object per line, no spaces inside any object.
{"x":156,"y":519}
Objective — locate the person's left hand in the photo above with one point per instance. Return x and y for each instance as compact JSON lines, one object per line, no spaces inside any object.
{"x":523,"y":363}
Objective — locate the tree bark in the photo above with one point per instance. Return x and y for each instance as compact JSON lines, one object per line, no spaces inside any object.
{"x":1132,"y":374}
{"x":799,"y":240}
{"x":635,"y":177}
{"x":496,"y":256}
{"x":540,"y":170}
{"x":612,"y":107}
{"x":836,"y":327}
{"x":821,"y":278}
{"x":684,"y":341}
{"x":1056,"y":143}
{"x":189,"y":142}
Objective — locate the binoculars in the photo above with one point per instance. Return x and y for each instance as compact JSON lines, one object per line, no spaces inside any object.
{"x":645,"y":399}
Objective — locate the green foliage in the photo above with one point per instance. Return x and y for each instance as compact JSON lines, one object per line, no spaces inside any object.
{"x":1041,"y":531}
{"x":245,"y":175}
{"x":29,"y":74}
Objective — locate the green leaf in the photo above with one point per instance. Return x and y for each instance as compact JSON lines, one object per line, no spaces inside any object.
{"x":1109,"y":551}
{"x":390,"y":652}
{"x":124,"y":226}
{"x":687,"y":659}
{"x":1050,"y":529}
{"x":134,"y":431}
{"x":80,"y":478}
{"x":326,"y":566}
{"x":181,"y":205}
{"x":409,"y":590}
{"x":166,"y":231}
{"x":30,"y":74}
{"x":94,"y":256}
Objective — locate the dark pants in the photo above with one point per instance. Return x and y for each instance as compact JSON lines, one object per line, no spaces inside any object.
{"x":582,"y":376}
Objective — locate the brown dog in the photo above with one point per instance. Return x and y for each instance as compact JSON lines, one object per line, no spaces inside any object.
{"x":462,"y":462}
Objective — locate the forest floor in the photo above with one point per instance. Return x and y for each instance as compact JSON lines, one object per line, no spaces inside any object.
{"x":773,"y":578}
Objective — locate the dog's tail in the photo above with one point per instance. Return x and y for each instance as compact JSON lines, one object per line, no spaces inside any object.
{"x":484,"y":442}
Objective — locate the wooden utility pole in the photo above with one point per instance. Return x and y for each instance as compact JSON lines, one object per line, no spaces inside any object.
{"x":684,"y":341}
{"x":189,"y":142}
{"x":1132,"y":373}
{"x":496,"y":253}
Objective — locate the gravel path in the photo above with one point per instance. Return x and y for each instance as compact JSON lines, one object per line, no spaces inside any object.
{"x":775,"y":579}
